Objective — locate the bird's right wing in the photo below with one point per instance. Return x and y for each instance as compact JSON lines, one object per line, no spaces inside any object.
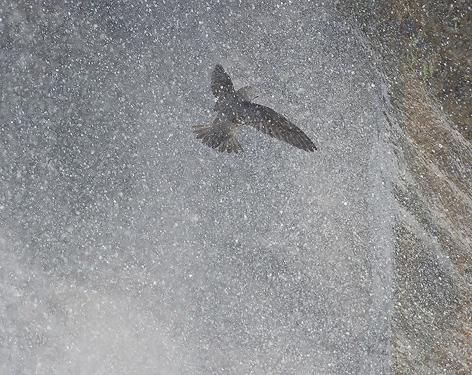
{"x":274,"y":124}
{"x":220,"y":82}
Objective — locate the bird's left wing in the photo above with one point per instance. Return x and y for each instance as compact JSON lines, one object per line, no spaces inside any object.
{"x":221,"y":83}
{"x":274,"y":124}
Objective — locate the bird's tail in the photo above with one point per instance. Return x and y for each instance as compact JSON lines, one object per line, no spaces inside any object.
{"x":217,"y":139}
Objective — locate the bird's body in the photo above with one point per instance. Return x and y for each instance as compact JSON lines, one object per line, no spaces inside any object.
{"x":234,"y":108}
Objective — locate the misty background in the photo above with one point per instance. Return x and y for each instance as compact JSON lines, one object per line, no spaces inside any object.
{"x":128,"y":247}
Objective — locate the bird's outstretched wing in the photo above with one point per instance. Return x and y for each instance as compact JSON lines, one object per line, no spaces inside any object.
{"x":220,"y":82}
{"x":274,"y":124}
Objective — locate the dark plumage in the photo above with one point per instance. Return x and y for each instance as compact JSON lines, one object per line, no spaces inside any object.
{"x":234,"y":108}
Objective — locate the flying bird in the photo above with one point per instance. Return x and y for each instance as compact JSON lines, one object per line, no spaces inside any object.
{"x":234,"y":108}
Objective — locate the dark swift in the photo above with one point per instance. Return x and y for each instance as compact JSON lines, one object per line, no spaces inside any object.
{"x":234,"y":108}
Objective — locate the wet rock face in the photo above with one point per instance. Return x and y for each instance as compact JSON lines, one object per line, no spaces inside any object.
{"x":439,"y":48}
{"x":431,"y":320}
{"x":426,"y":54}
{"x":432,"y":38}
